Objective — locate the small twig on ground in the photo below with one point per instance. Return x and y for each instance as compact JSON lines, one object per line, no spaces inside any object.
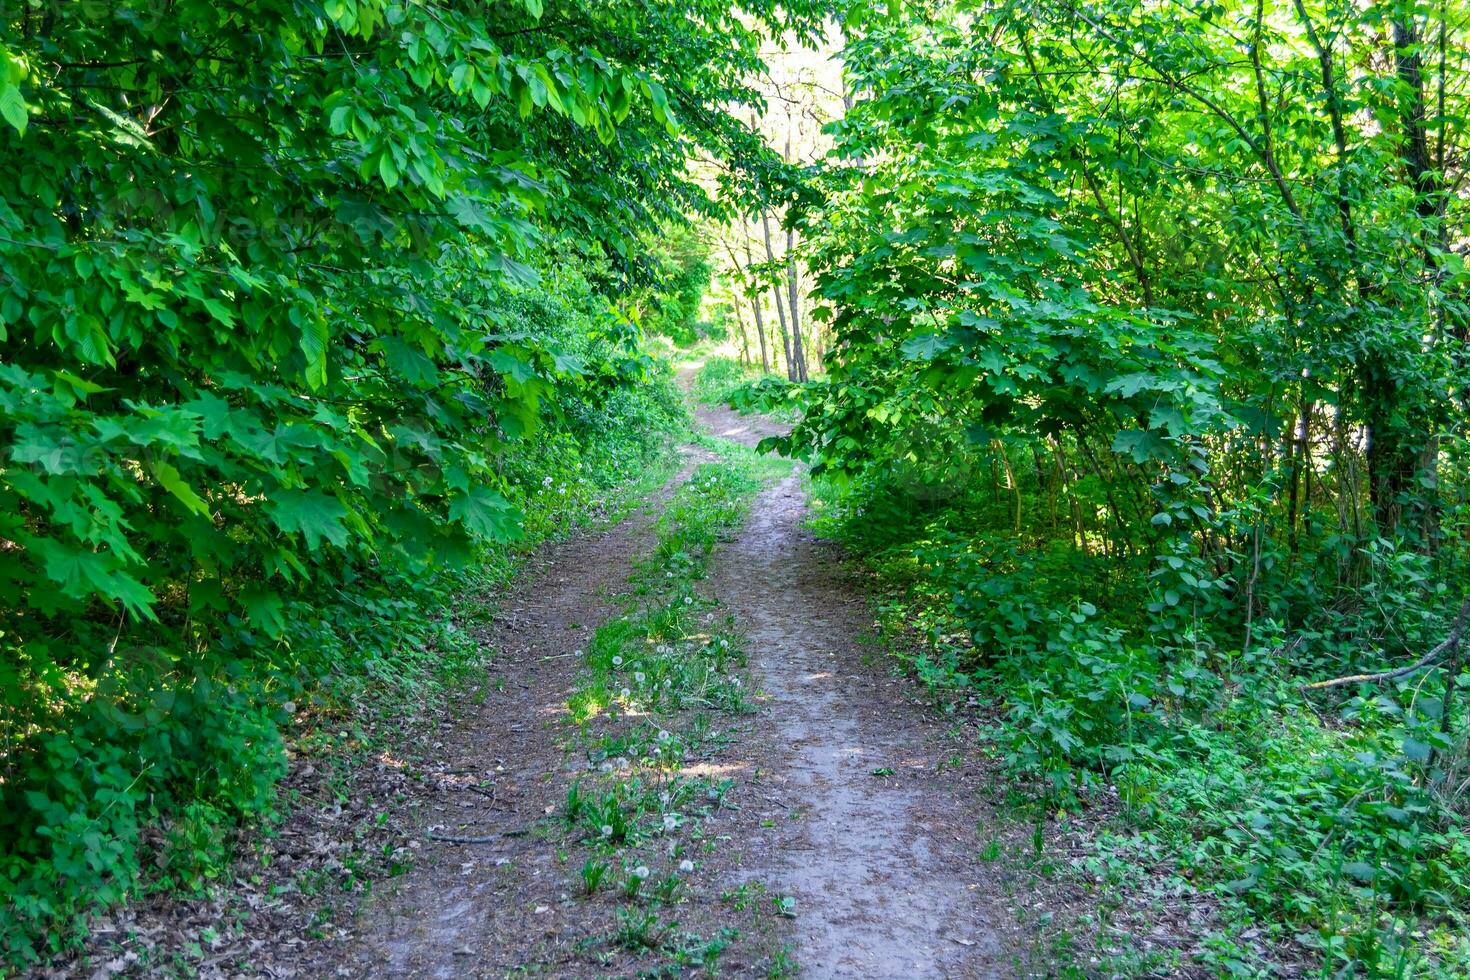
{"x":490,"y":839}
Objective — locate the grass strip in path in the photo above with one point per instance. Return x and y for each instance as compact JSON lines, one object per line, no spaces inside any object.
{"x":662,"y":700}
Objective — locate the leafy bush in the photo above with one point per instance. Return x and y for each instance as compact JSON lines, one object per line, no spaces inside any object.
{"x":1331,"y":827}
{"x":193,"y":743}
{"x":717,"y":377}
{"x":684,"y":274}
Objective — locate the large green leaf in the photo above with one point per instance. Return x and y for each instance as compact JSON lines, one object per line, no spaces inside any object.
{"x":316,"y":516}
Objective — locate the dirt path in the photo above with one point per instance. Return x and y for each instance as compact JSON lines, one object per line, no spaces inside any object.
{"x":882,"y":862}
{"x":485,"y":909}
{"x":842,"y":799}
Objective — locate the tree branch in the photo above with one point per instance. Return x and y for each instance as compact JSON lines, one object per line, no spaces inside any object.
{"x":1449,"y":643}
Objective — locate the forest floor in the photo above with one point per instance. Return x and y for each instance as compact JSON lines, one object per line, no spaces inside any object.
{"x":847,"y":850}
{"x":849,"y":839}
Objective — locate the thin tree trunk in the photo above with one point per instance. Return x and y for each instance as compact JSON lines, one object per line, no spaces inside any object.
{"x":780,"y":308}
{"x":798,"y":352}
{"x":794,"y":304}
{"x":755,"y":304}
{"x":744,"y":337}
{"x":739,"y":317}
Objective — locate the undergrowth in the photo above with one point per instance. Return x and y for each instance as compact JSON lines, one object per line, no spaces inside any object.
{"x":723,"y":380}
{"x":1325,"y":830}
{"x":141,"y":787}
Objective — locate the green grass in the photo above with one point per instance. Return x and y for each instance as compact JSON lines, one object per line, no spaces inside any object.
{"x":658,"y":682}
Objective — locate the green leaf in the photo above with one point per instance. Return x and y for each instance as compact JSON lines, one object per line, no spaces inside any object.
{"x":926,"y":346}
{"x":513,"y":362}
{"x":13,"y":107}
{"x":316,"y":516}
{"x":1141,"y":445}
{"x":487,"y":514}
{"x":264,"y":607}
{"x":82,"y":573}
{"x":170,"y":480}
{"x":387,"y":170}
{"x":314,"y":341}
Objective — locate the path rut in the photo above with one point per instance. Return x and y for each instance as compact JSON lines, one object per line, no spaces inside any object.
{"x":885,"y":884}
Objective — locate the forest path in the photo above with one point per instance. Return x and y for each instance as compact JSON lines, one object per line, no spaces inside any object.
{"x":850,"y":795}
{"x":494,"y":901}
{"x":879,"y":846}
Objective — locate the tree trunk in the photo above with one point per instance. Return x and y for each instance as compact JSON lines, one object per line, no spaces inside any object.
{"x":780,"y":308}
{"x":1395,"y":464}
{"x":794,"y":304}
{"x":798,"y":352}
{"x":744,"y":337}
{"x":755,"y":305}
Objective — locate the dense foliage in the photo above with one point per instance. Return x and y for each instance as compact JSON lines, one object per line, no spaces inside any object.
{"x":1147,"y":392}
{"x":1145,"y":345}
{"x":673,"y":304}
{"x":300,"y":300}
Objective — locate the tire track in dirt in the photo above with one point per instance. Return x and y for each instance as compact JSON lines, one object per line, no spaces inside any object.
{"x":884,"y":868}
{"x":486,"y":909}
